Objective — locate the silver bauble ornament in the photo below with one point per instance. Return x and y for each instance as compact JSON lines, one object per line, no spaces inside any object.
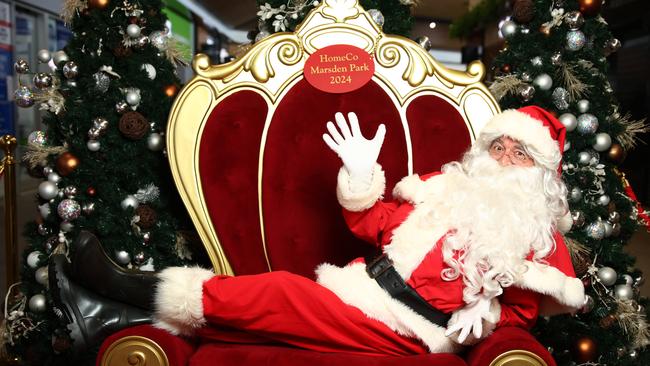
{"x":24,"y":97}
{"x":578,"y":218}
{"x":526,"y":77}
{"x":612,"y":46}
{"x":588,"y":304}
{"x":583,"y":105}
{"x":261,"y":35}
{"x":37,"y":138}
{"x":543,"y":81}
{"x":93,"y":145}
{"x":508,"y":28}
{"x":133,"y":30}
{"x":132,"y":98}
{"x":139,"y":258}
{"x":608,"y":229}
{"x":41,"y":276}
{"x":47,"y":170}
{"x":121,"y":107}
{"x":47,"y":190}
{"x":587,"y":124}
{"x":155,"y":142}
{"x":556,"y":59}
{"x":88,"y":208}
{"x":59,"y":57}
{"x":122,"y":257}
{"x":536,"y":61}
{"x":129,"y":202}
{"x":33,"y":259}
{"x":575,"y":195}
{"x":102,"y":81}
{"x":146,"y":236}
{"x":595,"y":230}
{"x":21,"y":66}
{"x":43,"y":230}
{"x":69,"y":209}
{"x":569,"y":121}
{"x":71,"y":83}
{"x":560,"y":98}
{"x":37,"y":303}
{"x":159,"y":40}
{"x":584,"y":158}
{"x":150,"y":70}
{"x":526,"y":92}
{"x":574,"y":20}
{"x":603,"y":200}
{"x":614,"y":217}
{"x":603,"y":142}
{"x":575,"y":40}
{"x":54,"y":177}
{"x":606,"y":276}
{"x":70,"y":70}
{"x":66,"y":226}
{"x":424,"y":42}
{"x":623,"y":292}
{"x":42,"y":80}
{"x":376,"y":17}
{"x":44,"y":56}
{"x":70,"y":191}
{"x":628,"y":279}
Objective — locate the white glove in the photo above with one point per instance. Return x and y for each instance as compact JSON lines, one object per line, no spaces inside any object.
{"x":470,"y":319}
{"x":358,"y":154}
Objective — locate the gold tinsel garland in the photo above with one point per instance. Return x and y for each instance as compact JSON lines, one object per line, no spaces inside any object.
{"x":576,"y":88}
{"x":72,"y":8}
{"x":36,"y":155}
{"x":629,"y":138}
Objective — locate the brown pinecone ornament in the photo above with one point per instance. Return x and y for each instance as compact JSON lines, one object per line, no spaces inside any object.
{"x":148,"y":216}
{"x":523,"y":11}
{"x":133,"y":125}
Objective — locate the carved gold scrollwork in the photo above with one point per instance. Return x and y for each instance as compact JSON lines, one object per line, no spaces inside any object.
{"x":134,"y":351}
{"x":340,"y":10}
{"x":420,"y":64}
{"x":257,"y":61}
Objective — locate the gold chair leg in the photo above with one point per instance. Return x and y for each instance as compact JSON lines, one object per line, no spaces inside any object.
{"x":8,"y":169}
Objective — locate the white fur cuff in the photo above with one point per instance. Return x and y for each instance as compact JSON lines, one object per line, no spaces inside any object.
{"x":359,"y":201}
{"x":179,"y":299}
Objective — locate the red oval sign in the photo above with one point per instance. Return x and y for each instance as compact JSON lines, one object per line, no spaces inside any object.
{"x":339,"y":69}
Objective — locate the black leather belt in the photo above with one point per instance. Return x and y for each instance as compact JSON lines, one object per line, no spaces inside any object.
{"x":382,"y":270}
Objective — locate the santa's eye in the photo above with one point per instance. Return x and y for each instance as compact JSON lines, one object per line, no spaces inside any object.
{"x":521,"y":155}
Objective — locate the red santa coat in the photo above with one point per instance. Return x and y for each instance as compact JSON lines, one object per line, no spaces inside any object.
{"x":414,"y":245}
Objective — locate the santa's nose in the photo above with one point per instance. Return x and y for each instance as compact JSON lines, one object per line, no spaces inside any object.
{"x":505,"y":160}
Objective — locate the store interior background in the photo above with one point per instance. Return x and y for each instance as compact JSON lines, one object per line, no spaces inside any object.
{"x":220,"y":28}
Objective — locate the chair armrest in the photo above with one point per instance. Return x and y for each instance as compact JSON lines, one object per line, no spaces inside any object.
{"x":509,"y":346}
{"x":145,"y":344}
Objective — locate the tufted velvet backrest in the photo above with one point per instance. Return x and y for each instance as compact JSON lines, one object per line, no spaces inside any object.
{"x":295,"y":220}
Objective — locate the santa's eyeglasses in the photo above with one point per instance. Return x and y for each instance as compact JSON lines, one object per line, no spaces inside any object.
{"x":514,"y":151}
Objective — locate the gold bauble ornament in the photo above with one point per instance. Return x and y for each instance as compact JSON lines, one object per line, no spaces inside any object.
{"x":590,"y":7}
{"x":616,"y":153}
{"x":585,"y":350}
{"x":98,"y":4}
{"x":66,"y":163}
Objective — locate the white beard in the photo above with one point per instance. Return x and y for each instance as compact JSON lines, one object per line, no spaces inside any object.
{"x":499,"y":215}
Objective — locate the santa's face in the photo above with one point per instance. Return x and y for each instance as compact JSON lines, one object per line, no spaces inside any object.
{"x":510,"y":152}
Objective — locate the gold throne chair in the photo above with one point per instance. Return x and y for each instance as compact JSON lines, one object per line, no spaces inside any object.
{"x":245,"y":148}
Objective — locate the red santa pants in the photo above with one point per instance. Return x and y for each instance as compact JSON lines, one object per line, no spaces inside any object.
{"x":291,"y":309}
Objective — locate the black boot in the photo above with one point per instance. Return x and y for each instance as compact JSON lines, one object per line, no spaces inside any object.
{"x":93,"y":269}
{"x":90,"y":317}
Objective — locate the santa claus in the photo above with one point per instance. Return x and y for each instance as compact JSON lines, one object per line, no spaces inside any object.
{"x":463,"y":251}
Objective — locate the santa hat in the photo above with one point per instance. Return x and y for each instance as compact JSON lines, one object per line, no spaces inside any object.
{"x":532,"y":126}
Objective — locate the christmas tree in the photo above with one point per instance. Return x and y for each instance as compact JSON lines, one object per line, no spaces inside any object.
{"x":555,"y":57}
{"x":102,"y":158}
{"x":283,"y":16}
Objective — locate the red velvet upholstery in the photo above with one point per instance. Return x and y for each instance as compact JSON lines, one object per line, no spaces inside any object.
{"x":303,"y":226}
{"x":237,"y":355}
{"x":506,"y":339}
